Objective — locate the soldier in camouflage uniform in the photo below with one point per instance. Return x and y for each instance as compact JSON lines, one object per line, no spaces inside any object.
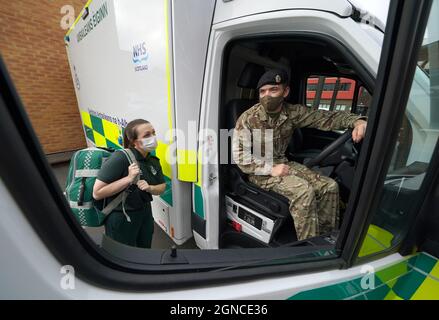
{"x":314,"y":199}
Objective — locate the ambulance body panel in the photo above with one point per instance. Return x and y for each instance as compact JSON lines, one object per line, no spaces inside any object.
{"x":136,"y":59}
{"x":230,"y":10}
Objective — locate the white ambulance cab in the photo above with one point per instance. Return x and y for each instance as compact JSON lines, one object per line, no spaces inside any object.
{"x":191,"y":68}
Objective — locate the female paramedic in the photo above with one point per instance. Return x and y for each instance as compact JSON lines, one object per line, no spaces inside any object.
{"x":135,"y":226}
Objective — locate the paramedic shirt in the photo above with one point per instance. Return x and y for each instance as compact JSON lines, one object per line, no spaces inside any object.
{"x":116,"y":167}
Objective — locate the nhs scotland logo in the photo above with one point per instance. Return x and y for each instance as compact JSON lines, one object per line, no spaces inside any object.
{"x":140,"y":57}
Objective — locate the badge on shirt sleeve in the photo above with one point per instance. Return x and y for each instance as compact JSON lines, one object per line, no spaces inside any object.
{"x":153,"y":170}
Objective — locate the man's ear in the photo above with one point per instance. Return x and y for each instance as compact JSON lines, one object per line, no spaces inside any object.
{"x":286,"y":91}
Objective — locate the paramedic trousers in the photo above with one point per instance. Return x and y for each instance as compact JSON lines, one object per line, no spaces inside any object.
{"x":314,"y":199}
{"x":137,"y":233}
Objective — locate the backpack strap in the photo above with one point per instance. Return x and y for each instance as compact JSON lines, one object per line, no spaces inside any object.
{"x":130,"y":155}
{"x":132,"y":159}
{"x":113,"y":204}
{"x":123,"y":195}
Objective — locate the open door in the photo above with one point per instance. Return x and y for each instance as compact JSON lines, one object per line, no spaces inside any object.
{"x":398,"y":186}
{"x":425,"y":233}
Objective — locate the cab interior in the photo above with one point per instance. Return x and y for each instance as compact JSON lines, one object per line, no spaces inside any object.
{"x":246,"y":209}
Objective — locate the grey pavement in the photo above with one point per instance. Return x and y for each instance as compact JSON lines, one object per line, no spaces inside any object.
{"x":160,"y":239}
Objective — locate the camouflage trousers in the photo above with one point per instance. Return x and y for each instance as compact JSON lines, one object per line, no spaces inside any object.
{"x":314,"y":200}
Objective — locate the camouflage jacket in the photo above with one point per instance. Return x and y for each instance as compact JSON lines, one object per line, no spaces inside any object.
{"x":246,"y":136}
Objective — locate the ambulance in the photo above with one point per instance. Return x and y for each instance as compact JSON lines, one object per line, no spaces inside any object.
{"x":137,"y":59}
{"x":191,"y":68}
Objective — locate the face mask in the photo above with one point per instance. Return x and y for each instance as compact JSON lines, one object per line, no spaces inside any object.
{"x":149,"y":144}
{"x":271,"y":103}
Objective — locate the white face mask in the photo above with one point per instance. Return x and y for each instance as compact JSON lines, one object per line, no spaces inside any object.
{"x":149,"y":144}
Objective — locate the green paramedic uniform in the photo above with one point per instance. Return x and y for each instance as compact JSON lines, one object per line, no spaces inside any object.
{"x":138,"y":232}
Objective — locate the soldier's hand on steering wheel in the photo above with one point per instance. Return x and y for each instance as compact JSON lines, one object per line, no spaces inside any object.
{"x":359,"y":131}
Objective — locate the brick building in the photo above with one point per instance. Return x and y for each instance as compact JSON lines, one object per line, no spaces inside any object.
{"x":32,"y":46}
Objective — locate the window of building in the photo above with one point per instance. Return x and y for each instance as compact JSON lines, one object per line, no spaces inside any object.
{"x":330,"y":93}
{"x":363,"y":102}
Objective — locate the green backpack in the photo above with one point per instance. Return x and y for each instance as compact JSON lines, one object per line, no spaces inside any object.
{"x":83,"y":170}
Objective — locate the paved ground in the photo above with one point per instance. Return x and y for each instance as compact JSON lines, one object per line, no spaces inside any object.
{"x":160,"y":239}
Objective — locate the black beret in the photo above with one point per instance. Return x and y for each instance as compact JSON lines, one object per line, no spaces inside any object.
{"x":274,"y":76}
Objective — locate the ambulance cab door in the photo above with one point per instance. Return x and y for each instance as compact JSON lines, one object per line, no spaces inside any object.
{"x":235,"y":21}
{"x":396,"y":195}
{"x":424,"y":234}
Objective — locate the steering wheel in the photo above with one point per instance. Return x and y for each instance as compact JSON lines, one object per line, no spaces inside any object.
{"x":329,"y":150}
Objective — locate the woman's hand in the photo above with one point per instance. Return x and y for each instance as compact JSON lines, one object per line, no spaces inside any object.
{"x":133,"y":172}
{"x":143,"y":185}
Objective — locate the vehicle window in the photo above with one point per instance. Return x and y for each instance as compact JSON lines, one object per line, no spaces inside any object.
{"x":330,"y":93}
{"x":416,"y":142}
{"x":65,"y":124}
{"x":363,"y":102}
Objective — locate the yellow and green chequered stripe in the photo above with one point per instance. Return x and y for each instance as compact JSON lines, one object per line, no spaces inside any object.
{"x":102,"y":133}
{"x":106,"y":134}
{"x":416,"y":278}
{"x":377,"y":239}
